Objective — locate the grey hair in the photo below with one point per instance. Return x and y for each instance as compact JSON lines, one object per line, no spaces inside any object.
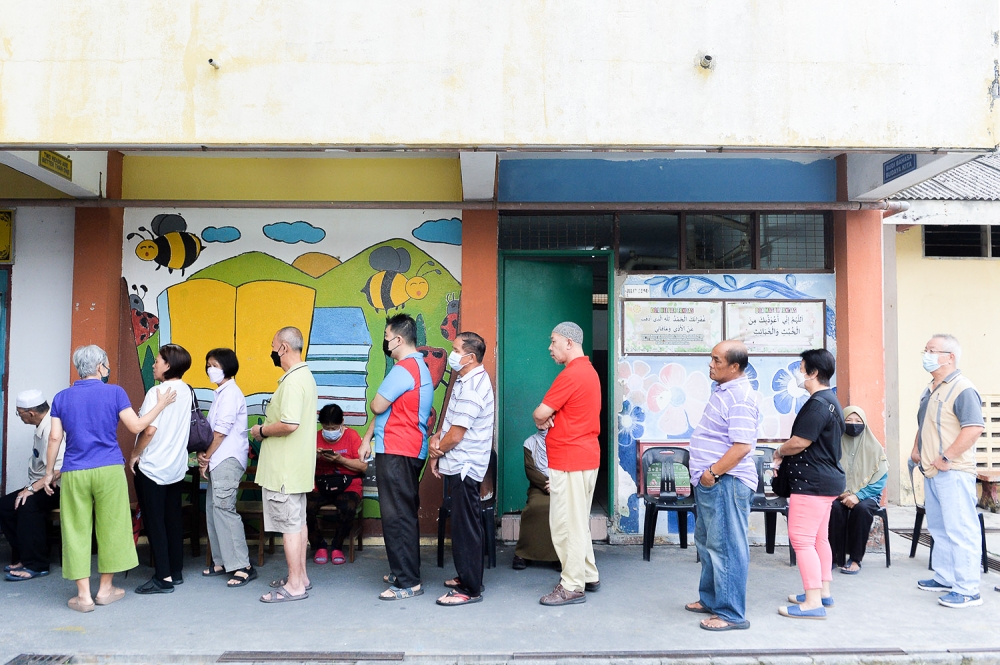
{"x":87,"y":359}
{"x":950,"y":345}
{"x":292,"y":336}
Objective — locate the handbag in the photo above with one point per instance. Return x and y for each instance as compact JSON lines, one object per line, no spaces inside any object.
{"x":333,"y":482}
{"x":201,"y":435}
{"x":781,"y":481}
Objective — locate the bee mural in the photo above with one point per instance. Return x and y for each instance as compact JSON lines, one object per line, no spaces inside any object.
{"x":449,"y":325}
{"x":169,"y":244}
{"x":389,"y":288}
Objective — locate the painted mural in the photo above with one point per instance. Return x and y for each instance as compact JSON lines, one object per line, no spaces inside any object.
{"x":661,"y":397}
{"x":232,"y":278}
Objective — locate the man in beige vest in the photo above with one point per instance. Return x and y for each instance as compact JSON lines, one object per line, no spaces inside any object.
{"x":949,"y":422}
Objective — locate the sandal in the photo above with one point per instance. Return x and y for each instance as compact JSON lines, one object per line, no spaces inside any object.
{"x":212,"y":572}
{"x":337,"y":558}
{"x":389,"y":579}
{"x":277,"y":584}
{"x":455,"y":583}
{"x":116,"y":595}
{"x":282,"y":595}
{"x":726,"y":625}
{"x":459,"y":598}
{"x":75,"y":604}
{"x":846,"y":570}
{"x":698,"y":608}
{"x":13,"y":566}
{"x":399,"y":594}
{"x":13,"y":576}
{"x":321,"y":556}
{"x":242,"y":576}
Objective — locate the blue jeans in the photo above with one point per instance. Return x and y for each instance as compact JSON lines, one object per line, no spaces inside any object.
{"x":720,"y":533}
{"x":950,"y":502}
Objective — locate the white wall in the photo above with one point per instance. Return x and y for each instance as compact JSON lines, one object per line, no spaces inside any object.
{"x":40,"y":320}
{"x":846,"y":74}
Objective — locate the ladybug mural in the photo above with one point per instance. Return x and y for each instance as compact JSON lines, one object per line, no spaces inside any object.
{"x":449,"y":325}
{"x":144,"y":324}
{"x":437,"y":362}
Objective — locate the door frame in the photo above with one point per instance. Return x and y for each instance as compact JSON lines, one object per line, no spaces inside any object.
{"x":541,"y":254}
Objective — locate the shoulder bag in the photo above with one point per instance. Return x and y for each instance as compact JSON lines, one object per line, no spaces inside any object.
{"x":781,"y":480}
{"x":201,"y":435}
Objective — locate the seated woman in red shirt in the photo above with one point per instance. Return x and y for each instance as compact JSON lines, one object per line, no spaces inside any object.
{"x":338,"y":483}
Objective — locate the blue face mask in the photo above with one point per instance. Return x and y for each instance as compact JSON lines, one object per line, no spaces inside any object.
{"x":930,"y":361}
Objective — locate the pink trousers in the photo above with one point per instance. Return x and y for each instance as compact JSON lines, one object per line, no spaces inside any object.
{"x":808,"y":531}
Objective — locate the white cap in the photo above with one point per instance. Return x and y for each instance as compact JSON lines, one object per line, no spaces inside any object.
{"x":29,"y":399}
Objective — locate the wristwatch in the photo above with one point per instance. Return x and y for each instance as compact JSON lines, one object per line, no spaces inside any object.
{"x":714,"y":474}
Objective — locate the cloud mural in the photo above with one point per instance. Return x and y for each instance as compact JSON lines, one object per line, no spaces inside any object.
{"x":220,"y":234}
{"x":293,"y":232}
{"x":447,"y":231}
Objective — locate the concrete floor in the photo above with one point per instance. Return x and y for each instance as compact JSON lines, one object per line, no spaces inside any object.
{"x":639,"y":608}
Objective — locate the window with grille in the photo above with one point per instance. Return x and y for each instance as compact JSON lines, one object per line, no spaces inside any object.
{"x":557,"y":231}
{"x":961,"y":241}
{"x":649,"y":242}
{"x":719,"y":242}
{"x":792,"y":242}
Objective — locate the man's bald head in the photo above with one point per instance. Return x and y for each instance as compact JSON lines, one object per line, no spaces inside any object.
{"x":729,"y":360}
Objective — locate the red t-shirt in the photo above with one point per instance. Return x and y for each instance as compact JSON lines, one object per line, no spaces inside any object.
{"x":347,"y":446}
{"x":575,"y":395}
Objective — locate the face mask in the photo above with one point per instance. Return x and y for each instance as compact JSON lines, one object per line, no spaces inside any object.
{"x":855,"y":429}
{"x":215,"y":375}
{"x":930,"y":361}
{"x":385,"y":347}
{"x":800,"y":379}
{"x":106,"y":377}
{"x":455,"y":361}
{"x":275,"y":358}
{"x":332,"y":435}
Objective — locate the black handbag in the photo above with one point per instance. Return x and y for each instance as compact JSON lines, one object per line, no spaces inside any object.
{"x":333,"y":482}
{"x":781,"y":481}
{"x":201,"y":435}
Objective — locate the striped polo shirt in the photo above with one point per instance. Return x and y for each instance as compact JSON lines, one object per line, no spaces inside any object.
{"x":730,"y":417}
{"x":471,"y":407}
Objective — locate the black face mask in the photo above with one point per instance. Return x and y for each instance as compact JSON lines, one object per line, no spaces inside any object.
{"x":855,"y":429}
{"x":275,"y":358}
{"x":385,"y":348}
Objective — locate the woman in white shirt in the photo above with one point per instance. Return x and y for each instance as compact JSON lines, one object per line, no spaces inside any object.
{"x":160,"y":461}
{"x":224,"y":464}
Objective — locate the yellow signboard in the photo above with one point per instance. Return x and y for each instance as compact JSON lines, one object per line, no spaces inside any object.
{"x":6,"y":236}
{"x":58,"y":164}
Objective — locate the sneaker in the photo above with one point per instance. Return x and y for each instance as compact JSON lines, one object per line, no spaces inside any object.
{"x":562,"y":596}
{"x":955,"y":599}
{"x":932,"y":585}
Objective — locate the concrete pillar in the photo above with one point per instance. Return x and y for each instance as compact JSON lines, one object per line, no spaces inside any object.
{"x":860,"y":342}
{"x":480,"y":234}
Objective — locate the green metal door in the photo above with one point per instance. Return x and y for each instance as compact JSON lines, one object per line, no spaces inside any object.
{"x":537,"y":295}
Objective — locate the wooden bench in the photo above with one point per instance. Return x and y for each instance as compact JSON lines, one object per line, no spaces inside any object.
{"x":989,"y":479}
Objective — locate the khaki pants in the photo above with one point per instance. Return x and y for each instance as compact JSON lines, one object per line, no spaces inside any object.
{"x":571,"y":494}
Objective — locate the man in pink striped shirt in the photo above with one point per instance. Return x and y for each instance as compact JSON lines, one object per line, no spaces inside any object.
{"x":724,"y":479}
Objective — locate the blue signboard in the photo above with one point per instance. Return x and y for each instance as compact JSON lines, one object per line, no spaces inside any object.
{"x":898,"y":165}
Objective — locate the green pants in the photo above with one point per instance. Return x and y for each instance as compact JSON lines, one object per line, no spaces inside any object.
{"x":98,"y":498}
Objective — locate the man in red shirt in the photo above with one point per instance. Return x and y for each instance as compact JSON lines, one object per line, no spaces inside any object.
{"x":571,"y":412}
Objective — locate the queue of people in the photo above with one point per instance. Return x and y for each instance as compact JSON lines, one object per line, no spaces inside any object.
{"x":834,"y":466}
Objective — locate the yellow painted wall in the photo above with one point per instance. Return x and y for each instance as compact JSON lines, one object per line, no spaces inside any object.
{"x":956,"y":296}
{"x":284,"y":179}
{"x":16,"y":185}
{"x":845,"y":74}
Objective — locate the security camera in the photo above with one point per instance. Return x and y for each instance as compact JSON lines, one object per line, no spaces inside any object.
{"x":215,"y":63}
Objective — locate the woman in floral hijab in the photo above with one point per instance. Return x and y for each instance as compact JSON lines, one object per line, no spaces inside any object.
{"x":866,"y":467}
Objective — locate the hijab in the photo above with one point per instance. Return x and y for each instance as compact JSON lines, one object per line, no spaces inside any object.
{"x":862,"y":457}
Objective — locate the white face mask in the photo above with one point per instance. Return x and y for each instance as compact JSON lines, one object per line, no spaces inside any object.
{"x":455,"y":361}
{"x":215,"y":375}
{"x":332,"y":435}
{"x":800,"y":379}
{"x":930,"y":361}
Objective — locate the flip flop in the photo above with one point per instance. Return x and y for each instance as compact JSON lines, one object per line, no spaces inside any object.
{"x":75,"y":604}
{"x":727,"y":626}
{"x":32,"y":574}
{"x":251,"y":575}
{"x":13,"y":566}
{"x":212,"y":572}
{"x":282,"y":595}
{"x":277,"y":584}
{"x":462,"y":598}
{"x":701,"y":609}
{"x":846,"y":571}
{"x":400,"y":594}
{"x":337,"y":558}
{"x":116,"y":595}
{"x":454,"y":583}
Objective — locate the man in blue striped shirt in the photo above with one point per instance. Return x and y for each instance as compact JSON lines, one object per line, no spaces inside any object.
{"x":460,"y":452}
{"x":724,"y":479}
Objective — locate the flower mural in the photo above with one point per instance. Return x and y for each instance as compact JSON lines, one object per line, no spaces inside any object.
{"x":637,"y":378}
{"x":788,"y":396}
{"x":679,"y":397}
{"x":630,"y":429}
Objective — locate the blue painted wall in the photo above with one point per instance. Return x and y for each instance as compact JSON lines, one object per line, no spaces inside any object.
{"x":672,"y":180}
